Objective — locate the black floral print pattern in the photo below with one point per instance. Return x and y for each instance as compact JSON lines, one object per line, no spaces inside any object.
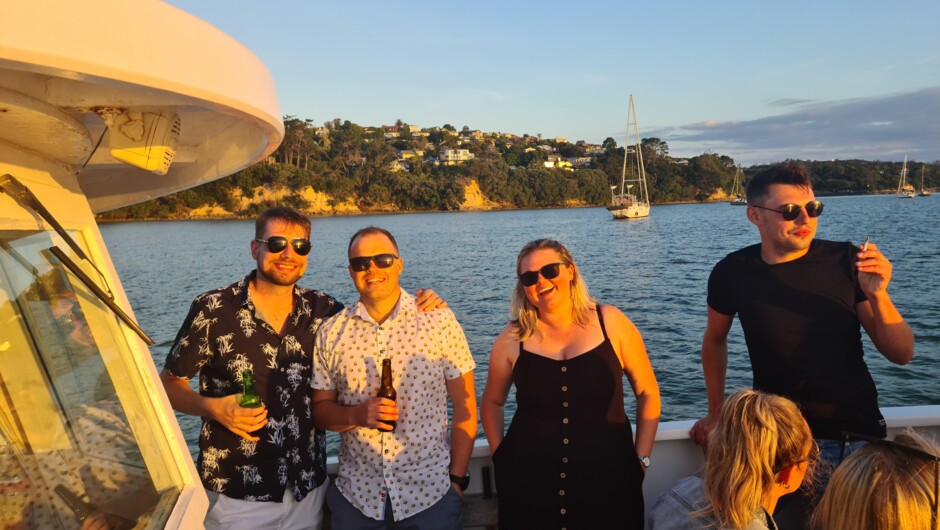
{"x":224,"y":335}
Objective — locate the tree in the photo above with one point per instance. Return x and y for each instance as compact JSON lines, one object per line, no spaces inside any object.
{"x":609,"y":143}
{"x":296,"y":145}
{"x":654,"y":150}
{"x":707,"y":173}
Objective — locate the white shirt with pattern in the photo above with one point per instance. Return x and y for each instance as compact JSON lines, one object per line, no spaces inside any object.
{"x":411,"y":463}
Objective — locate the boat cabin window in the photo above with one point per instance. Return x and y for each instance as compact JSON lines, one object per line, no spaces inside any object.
{"x":79,"y":432}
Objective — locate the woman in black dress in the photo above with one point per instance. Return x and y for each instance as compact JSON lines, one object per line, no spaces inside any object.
{"x":568,"y":459}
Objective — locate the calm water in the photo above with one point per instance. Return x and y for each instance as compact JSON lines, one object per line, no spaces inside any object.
{"x":654,"y":269}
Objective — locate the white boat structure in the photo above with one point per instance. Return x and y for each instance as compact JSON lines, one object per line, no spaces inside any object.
{"x":924,"y":192}
{"x":102,"y":105}
{"x":630,"y":203}
{"x":905,"y":190}
{"x":738,"y":197}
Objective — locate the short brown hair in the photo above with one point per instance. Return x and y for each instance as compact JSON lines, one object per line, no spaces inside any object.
{"x":372,"y":230}
{"x":281,"y":213}
{"x":791,"y":173}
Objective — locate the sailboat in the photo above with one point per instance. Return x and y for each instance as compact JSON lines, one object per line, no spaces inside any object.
{"x":905,"y":190}
{"x":737,"y":190}
{"x":923,"y":191}
{"x":630,"y":204}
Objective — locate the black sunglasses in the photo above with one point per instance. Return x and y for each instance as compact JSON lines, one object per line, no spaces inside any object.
{"x":792,"y":211}
{"x":382,"y":261}
{"x":528,"y":279}
{"x":910,"y":451}
{"x":277,"y":244}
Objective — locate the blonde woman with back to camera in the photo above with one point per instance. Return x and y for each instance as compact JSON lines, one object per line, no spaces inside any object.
{"x":884,"y":485}
{"x":760,"y":450}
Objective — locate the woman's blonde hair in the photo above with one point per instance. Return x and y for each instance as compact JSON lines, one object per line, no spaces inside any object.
{"x":758,"y":435}
{"x":523,"y":314}
{"x":883,"y":486}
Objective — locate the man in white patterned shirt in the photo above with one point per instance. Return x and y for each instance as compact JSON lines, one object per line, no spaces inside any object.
{"x":412,"y":476}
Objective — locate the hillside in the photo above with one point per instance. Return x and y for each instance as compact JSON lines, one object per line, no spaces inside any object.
{"x":346,"y":169}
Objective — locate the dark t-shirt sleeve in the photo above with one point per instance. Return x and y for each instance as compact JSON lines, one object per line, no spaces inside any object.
{"x":720,"y":289}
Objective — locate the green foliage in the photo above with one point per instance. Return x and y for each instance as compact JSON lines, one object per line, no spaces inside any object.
{"x":348,"y":162}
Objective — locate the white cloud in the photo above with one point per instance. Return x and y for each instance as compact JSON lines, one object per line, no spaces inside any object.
{"x":882,"y":128}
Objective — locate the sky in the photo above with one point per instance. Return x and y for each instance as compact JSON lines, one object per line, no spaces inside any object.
{"x":758,"y":81}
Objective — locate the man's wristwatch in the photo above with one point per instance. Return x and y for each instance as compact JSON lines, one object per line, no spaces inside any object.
{"x":462,"y":482}
{"x":645,"y":460}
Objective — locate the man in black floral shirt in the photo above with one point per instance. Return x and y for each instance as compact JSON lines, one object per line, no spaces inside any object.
{"x":261,"y":464}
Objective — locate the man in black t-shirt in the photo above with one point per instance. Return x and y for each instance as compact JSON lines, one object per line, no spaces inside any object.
{"x":800,"y":302}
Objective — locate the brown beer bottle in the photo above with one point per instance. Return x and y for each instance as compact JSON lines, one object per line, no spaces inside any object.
{"x":79,"y":507}
{"x":387,"y":390}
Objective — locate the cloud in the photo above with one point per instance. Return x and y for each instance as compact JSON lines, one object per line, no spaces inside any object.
{"x":875,"y":128}
{"x":789,"y":102}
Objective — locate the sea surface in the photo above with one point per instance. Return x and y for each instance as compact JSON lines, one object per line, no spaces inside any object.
{"x":653,"y":269}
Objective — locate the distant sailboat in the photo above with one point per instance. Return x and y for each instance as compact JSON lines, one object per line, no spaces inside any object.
{"x":923,"y":191}
{"x":905,"y":190}
{"x":738,"y":197}
{"x":630,"y":204}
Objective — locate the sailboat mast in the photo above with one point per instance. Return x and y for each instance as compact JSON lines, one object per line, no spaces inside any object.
{"x":903,"y":175}
{"x":642,"y":192}
{"x":626,"y":149}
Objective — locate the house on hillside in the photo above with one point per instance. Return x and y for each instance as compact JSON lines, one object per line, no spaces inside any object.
{"x":410,"y":153}
{"x":580,"y":162}
{"x":452,"y":157}
{"x":557,"y":162}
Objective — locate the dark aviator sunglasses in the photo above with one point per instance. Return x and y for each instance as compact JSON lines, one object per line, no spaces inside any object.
{"x":382,"y":261}
{"x":550,"y":271}
{"x":277,"y":244}
{"x":792,"y":211}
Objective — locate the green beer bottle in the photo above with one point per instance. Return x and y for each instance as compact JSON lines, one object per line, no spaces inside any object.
{"x":249,"y":398}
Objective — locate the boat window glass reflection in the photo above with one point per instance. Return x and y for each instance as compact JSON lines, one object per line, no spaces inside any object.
{"x":74,"y":419}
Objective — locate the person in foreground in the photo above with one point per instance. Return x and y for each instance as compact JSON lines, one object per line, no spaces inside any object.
{"x":760,"y":449}
{"x":801,"y":302}
{"x":568,"y":459}
{"x":262,"y":467}
{"x":404,"y":474}
{"x":884,"y":486}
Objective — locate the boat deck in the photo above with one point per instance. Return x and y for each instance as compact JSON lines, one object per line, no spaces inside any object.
{"x":479,"y":513}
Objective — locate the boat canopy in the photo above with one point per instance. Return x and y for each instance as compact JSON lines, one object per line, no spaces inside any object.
{"x":172,"y":101}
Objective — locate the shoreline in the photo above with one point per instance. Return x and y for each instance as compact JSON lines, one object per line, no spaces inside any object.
{"x":316,"y":215}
